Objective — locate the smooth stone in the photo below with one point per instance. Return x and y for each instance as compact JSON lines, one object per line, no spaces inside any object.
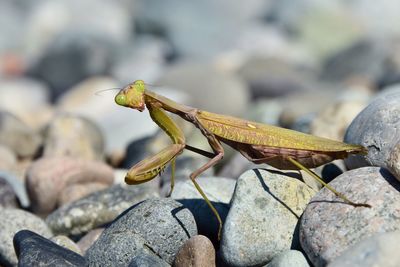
{"x":332,"y":122}
{"x":379,"y":250}
{"x":329,"y":226}
{"x":35,"y":250}
{"x":8,"y":199}
{"x":87,"y":240}
{"x":210,"y":96}
{"x":274,"y":77}
{"x":13,"y":90}
{"x":78,"y":191}
{"x":67,"y":243}
{"x":17,"y":186}
{"x":97,"y":209}
{"x":289,"y":258}
{"x":8,"y":159}
{"x":73,"y":136}
{"x":158,"y":226}
{"x":147,"y":260}
{"x":393,"y":162}
{"x":265,"y":111}
{"x":186,"y":193}
{"x":46,"y":179}
{"x":196,"y":252}
{"x":12,"y":221}
{"x":265,"y":210}
{"x":18,"y":136}
{"x":377,"y":128}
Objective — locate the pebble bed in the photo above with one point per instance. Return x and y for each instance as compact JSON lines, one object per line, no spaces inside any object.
{"x":331,"y":70}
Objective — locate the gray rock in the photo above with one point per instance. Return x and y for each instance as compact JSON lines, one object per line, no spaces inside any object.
{"x":18,"y":136}
{"x":8,"y":199}
{"x":379,"y":250}
{"x":73,"y":136}
{"x":17,"y":186}
{"x":289,"y":258}
{"x":97,"y":209}
{"x":35,"y":250}
{"x":147,"y":260}
{"x":67,"y":243}
{"x":158,"y":226}
{"x":265,"y":111}
{"x":12,"y":221}
{"x":261,"y":222}
{"x":47,"y":178}
{"x":329,"y":226}
{"x":210,"y":96}
{"x":186,"y":193}
{"x":377,"y":128}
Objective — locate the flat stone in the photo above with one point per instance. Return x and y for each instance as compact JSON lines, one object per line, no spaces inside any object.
{"x":263,"y":217}
{"x":35,"y":250}
{"x":158,"y":226}
{"x":196,"y":252}
{"x":97,"y":209}
{"x":379,"y":250}
{"x":329,"y":226}
{"x":12,"y":221}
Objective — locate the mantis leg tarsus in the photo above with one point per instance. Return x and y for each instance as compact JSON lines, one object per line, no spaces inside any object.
{"x":319,"y":179}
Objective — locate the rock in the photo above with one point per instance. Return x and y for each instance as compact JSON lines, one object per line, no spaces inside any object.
{"x":73,"y":136}
{"x":265,"y":111}
{"x":8,"y":199}
{"x":17,"y":186}
{"x":185,"y":193}
{"x":15,"y":90}
{"x":377,"y":250}
{"x":329,"y":226}
{"x":197,"y":251}
{"x":333,"y":121}
{"x":35,"y":250}
{"x":48,"y":177}
{"x":272,"y":77}
{"x":377,"y":128}
{"x":97,"y":209}
{"x":289,"y":258}
{"x":264,"y":213}
{"x":67,"y":243}
{"x":12,"y":221}
{"x":157,"y":226}
{"x":8,"y":159}
{"x":78,"y":191}
{"x":18,"y":136}
{"x":210,"y":96}
{"x":147,"y":260}
{"x":393,"y":162}
{"x":87,"y":240}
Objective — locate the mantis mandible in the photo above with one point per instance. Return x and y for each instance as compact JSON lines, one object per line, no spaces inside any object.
{"x":259,"y":143}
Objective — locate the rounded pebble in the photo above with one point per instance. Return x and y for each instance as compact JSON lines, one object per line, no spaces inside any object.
{"x":35,"y":250}
{"x":48,"y":177}
{"x":329,"y":226}
{"x":198,"y":251}
{"x":12,"y":221}
{"x":97,"y":209}
{"x":148,"y":260}
{"x":262,"y":201}
{"x":87,"y":240}
{"x":158,"y":226}
{"x":67,"y":243}
{"x":289,"y":258}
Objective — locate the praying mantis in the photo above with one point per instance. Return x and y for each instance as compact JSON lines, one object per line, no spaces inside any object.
{"x":259,"y":143}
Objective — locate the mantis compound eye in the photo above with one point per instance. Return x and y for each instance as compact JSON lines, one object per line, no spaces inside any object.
{"x":120,"y":99}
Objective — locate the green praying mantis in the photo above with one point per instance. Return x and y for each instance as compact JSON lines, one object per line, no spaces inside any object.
{"x":259,"y":143}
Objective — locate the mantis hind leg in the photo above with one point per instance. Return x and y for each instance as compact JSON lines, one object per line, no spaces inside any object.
{"x":315,"y":176}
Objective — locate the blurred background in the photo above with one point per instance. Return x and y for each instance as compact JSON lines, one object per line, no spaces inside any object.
{"x":306,"y":64}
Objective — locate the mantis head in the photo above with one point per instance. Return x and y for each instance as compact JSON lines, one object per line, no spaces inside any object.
{"x":132,"y":96}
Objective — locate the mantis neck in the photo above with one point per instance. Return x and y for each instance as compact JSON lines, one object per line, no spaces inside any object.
{"x":167,"y":104}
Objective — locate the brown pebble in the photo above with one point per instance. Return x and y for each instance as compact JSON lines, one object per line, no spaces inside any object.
{"x":198,"y":251}
{"x":87,"y":241}
{"x":78,"y":191}
{"x":48,"y":177}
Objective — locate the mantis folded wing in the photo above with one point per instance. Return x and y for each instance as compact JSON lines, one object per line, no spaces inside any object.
{"x":259,"y":143}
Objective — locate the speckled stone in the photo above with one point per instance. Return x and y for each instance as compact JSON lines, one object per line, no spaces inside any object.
{"x":289,"y":258}
{"x":158,"y":226}
{"x":198,"y":251}
{"x":46,"y":178}
{"x":97,"y":209}
{"x":261,"y":222}
{"x":147,"y":260}
{"x":380,"y":250}
{"x":8,"y":199}
{"x":87,"y":240}
{"x":12,"y":221}
{"x":329,"y":226}
{"x":67,"y":243}
{"x":377,"y":128}
{"x":185,"y":193}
